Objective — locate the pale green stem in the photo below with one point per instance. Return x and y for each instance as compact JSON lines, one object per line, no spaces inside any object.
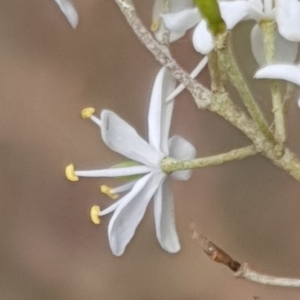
{"x":216,"y":76}
{"x":228,"y":64}
{"x":290,"y":89}
{"x":269,"y":29}
{"x":170,"y":165}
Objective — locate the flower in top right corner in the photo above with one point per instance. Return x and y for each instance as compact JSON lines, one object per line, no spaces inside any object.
{"x":284,"y":12}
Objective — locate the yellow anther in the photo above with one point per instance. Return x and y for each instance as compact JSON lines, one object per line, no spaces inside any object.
{"x":155,"y":25}
{"x":107,"y":191}
{"x":87,"y":112}
{"x":70,"y":173}
{"x":95,"y":214}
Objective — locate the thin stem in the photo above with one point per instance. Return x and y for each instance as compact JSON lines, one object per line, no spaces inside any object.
{"x":246,"y":273}
{"x":170,"y":165}
{"x":228,"y":64}
{"x":241,"y":270}
{"x":290,"y":89}
{"x":216,"y":75}
{"x":269,"y":28}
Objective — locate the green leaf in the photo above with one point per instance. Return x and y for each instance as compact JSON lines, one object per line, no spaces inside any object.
{"x":210,"y":11}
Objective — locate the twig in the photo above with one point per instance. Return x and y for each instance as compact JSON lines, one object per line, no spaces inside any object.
{"x":229,"y":66}
{"x":215,"y":253}
{"x":269,"y":28}
{"x":241,"y":270}
{"x":246,"y":273}
{"x":290,"y":89}
{"x":170,"y":165}
{"x":216,"y":74}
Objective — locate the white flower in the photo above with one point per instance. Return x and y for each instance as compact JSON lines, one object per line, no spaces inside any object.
{"x":69,"y":11}
{"x":286,"y":13}
{"x":120,"y":137}
{"x":231,"y":12}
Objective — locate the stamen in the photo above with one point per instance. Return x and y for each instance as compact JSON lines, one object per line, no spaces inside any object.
{"x":155,"y":25}
{"x":96,"y":120}
{"x":70,"y":173}
{"x":87,"y":112}
{"x":108,"y":191}
{"x":95,"y":214}
{"x":123,"y":188}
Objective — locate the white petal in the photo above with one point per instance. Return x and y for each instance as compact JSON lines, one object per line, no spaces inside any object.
{"x":255,"y":10}
{"x":164,"y":218}
{"x":160,"y":111}
{"x":174,"y":6}
{"x":181,"y":149}
{"x":130,"y":212}
{"x":182,"y":20}
{"x":298,"y":102}
{"x":176,"y":35}
{"x":286,"y":51}
{"x":202,"y":39}
{"x":193,"y":74}
{"x":268,"y":6}
{"x":159,"y":10}
{"x":119,"y":136}
{"x":69,"y":11}
{"x":233,"y":12}
{"x":114,"y":172}
{"x":288,"y":20}
{"x":285,"y":72}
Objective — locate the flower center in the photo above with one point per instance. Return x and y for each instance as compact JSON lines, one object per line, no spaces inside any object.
{"x":166,"y":165}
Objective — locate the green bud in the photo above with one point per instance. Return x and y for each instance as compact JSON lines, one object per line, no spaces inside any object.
{"x":210,"y":11}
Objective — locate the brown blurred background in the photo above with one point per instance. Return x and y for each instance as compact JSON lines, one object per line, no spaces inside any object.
{"x":49,"y":249}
